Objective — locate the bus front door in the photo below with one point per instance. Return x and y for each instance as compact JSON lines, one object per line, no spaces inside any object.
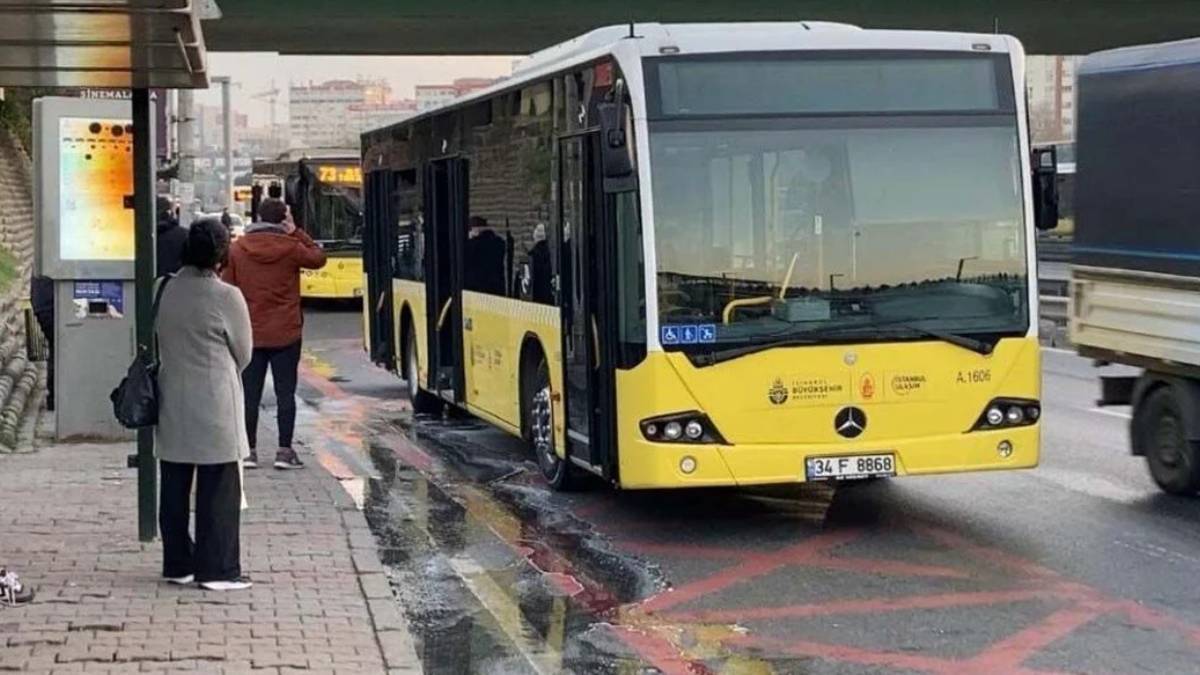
{"x":584,"y":255}
{"x":445,"y":214}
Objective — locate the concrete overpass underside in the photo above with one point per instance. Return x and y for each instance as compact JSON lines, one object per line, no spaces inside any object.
{"x":523,"y":26}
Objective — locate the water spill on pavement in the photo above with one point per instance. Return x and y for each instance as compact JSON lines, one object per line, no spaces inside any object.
{"x":480,"y":600}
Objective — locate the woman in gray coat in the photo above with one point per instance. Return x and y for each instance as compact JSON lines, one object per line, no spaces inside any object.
{"x":204,"y":341}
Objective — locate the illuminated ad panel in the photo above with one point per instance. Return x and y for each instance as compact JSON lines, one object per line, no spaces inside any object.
{"x":95,"y":179}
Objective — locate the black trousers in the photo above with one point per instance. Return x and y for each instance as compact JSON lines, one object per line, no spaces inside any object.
{"x":46,"y":323}
{"x":216,"y":553}
{"x":285,"y":364}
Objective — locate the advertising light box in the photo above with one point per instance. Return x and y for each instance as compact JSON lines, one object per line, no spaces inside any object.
{"x":96,"y":180}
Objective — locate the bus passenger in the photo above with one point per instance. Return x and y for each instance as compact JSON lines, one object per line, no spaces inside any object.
{"x":485,"y":251}
{"x":542,"y":286}
{"x":204,"y":335}
{"x":265,"y":263}
{"x":171,"y":238}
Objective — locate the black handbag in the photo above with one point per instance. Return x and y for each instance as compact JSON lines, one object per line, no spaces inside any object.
{"x":135,"y":400}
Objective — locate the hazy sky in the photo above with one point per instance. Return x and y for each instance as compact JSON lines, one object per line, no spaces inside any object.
{"x":254,"y":71}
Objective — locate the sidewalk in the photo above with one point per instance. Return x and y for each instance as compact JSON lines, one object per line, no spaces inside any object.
{"x":320,"y":603}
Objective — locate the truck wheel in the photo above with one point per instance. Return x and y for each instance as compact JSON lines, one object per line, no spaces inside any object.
{"x":539,"y":425}
{"x":422,"y":402}
{"x":1162,"y":437}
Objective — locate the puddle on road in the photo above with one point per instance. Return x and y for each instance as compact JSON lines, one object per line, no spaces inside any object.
{"x":486,"y":591}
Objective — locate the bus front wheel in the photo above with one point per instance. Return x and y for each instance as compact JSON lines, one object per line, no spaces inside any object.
{"x":539,"y":425}
{"x":422,"y":401}
{"x":1162,"y":437}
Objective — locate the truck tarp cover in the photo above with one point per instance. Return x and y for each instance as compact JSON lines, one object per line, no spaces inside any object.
{"x":1137,"y":182}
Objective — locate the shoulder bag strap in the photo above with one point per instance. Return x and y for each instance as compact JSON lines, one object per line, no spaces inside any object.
{"x":162,"y":286}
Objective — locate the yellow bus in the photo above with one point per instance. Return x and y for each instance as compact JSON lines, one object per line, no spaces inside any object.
{"x":324,"y":191}
{"x":721,"y":255}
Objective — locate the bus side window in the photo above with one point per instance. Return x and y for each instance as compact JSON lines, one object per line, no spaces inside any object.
{"x":407,"y":215}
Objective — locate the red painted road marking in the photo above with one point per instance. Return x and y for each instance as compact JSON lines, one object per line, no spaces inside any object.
{"x":871,"y":606}
{"x":863,"y":565}
{"x":754,"y":565}
{"x":1008,"y":654}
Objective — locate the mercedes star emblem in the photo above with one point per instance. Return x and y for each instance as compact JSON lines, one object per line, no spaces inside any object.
{"x":850,"y":422}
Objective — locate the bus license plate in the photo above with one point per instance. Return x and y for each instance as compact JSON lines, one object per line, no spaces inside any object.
{"x":850,"y":466}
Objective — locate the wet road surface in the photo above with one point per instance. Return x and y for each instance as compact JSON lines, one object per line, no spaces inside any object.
{"x":1078,"y":566}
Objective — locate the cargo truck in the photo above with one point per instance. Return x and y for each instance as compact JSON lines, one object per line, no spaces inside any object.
{"x":1135,"y":275}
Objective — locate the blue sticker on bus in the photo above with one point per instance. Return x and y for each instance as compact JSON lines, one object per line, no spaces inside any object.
{"x":707,"y":333}
{"x":688,"y":335}
{"x":669,"y":335}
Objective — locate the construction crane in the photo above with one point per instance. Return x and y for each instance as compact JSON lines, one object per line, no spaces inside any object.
{"x":271,"y":96}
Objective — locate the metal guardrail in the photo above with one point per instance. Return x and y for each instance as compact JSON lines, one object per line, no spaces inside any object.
{"x":1054,"y":308}
{"x":1054,"y":249}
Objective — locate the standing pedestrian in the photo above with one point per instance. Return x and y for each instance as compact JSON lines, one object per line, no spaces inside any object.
{"x":205,"y":341}
{"x":265,"y":263}
{"x":171,"y":239}
{"x":41,"y":298}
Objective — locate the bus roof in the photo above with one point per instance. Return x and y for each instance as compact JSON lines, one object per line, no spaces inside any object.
{"x":653,"y":39}
{"x":1142,"y":57}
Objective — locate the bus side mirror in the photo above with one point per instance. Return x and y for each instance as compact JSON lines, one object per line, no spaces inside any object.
{"x":1045,"y":188}
{"x":616,"y":155}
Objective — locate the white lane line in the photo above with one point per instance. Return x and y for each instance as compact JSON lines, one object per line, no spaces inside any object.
{"x":1110,"y":412}
{"x":1089,"y":484}
{"x":1060,"y":350}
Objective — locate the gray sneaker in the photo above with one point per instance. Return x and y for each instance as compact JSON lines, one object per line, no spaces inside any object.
{"x":287,"y":458}
{"x":251,"y":461}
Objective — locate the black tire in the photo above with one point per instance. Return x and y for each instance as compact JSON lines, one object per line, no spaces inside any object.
{"x":422,"y":401}
{"x":1162,"y":437}
{"x":539,"y":428}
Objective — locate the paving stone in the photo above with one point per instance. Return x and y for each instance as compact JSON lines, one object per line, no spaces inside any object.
{"x":102,"y":607}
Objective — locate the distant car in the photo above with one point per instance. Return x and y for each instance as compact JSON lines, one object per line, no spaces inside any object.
{"x":239,"y":223}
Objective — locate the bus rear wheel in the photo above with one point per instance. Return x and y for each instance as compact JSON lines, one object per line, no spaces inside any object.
{"x":539,"y":426}
{"x":422,"y":402}
{"x":1162,"y":437}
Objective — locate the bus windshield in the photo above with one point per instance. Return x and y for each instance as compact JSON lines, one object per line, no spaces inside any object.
{"x":850,"y":226}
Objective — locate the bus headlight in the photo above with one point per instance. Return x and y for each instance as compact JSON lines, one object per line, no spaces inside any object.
{"x":687,"y":427}
{"x":1006,"y":413}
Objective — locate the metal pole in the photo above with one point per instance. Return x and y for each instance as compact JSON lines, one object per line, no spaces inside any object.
{"x":144,"y":263}
{"x":227,"y":140}
{"x":187,"y":155}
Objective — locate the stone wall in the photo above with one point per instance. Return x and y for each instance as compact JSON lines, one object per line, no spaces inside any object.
{"x":21,"y":381}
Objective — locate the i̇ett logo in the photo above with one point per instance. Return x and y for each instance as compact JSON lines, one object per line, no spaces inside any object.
{"x":850,"y":422}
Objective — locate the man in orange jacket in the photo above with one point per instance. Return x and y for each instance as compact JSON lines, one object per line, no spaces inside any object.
{"x":265,"y":264}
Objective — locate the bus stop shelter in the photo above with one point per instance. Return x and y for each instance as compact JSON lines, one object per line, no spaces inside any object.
{"x":134,"y":45}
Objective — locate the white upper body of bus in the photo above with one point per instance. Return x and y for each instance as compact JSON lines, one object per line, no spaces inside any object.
{"x":876,"y":181}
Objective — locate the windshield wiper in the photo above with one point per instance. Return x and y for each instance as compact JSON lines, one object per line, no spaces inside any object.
{"x":964,"y":341}
{"x":714,"y":357}
{"x":813,"y":337}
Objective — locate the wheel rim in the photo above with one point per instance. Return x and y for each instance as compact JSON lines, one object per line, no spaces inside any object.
{"x":1168,"y":443}
{"x":413,"y":388}
{"x":541,"y":430}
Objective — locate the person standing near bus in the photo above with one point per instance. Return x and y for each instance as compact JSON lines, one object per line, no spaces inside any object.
{"x":265,"y":264}
{"x":170,"y":240}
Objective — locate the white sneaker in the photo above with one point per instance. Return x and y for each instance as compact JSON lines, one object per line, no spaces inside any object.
{"x":234,"y":585}
{"x":180,"y":581}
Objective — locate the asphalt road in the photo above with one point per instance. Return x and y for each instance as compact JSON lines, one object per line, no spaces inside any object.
{"x":1078,"y":566}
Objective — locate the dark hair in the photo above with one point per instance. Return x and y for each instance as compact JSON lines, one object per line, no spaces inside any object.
{"x":272,"y":211}
{"x":275,"y":191}
{"x":207,"y":244}
{"x":163,"y":205}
